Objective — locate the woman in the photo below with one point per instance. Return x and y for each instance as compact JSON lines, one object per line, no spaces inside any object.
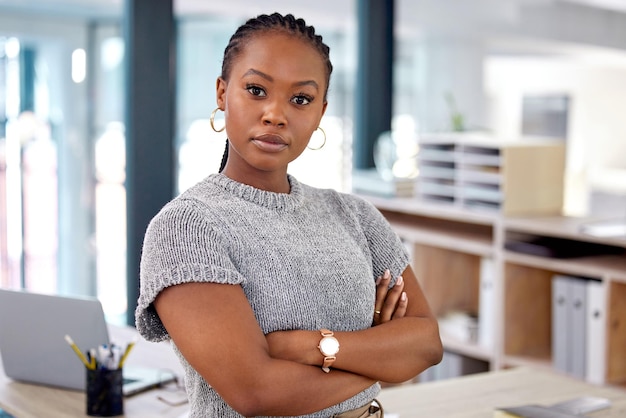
{"x":280,"y":298}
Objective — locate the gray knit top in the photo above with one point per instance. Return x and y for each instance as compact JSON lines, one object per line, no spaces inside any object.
{"x":307,"y":259}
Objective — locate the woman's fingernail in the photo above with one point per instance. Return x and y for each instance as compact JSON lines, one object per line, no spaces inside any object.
{"x":378,"y":279}
{"x":399,"y":280}
{"x":387,"y":274}
{"x":403,"y":297}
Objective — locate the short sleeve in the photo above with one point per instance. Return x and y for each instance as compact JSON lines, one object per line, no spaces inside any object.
{"x":181,"y":245}
{"x":387,"y":249}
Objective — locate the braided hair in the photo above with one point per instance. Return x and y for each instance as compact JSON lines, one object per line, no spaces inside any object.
{"x":272,"y":23}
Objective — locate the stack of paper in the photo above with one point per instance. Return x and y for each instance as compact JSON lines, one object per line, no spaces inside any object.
{"x":576,"y":407}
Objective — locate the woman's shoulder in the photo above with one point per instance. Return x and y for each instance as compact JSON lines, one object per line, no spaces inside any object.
{"x":203,"y":197}
{"x":203,"y":190}
{"x":336,"y":197}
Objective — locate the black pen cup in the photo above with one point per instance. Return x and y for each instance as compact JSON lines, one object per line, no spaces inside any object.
{"x":105,"y":397}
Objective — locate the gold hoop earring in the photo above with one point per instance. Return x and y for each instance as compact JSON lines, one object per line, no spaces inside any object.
{"x":212,"y":121}
{"x":323,"y":143}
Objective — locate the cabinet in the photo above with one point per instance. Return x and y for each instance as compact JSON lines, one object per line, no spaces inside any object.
{"x":479,"y":172}
{"x":451,"y":248}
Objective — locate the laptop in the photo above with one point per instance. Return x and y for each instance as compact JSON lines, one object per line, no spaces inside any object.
{"x":34,"y":350}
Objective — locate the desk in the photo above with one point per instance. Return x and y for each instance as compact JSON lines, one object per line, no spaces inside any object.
{"x":476,"y":396}
{"x":35,"y":401}
{"x":473,"y":396}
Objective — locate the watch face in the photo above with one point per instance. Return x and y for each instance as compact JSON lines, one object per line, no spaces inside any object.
{"x":329,"y":346}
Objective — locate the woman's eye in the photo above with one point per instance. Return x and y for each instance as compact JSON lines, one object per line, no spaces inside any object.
{"x":301,"y":100}
{"x":256,"y":91}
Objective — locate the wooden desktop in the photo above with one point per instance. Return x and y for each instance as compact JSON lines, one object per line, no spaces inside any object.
{"x":479,"y":395}
{"x":471,"y":396}
{"x":35,"y":401}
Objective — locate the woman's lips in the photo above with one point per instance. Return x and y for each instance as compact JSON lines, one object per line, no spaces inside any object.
{"x":270,"y":142}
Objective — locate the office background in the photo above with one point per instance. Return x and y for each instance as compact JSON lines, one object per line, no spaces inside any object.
{"x":69,"y":102}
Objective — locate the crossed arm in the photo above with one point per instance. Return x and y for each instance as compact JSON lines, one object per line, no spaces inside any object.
{"x":279,"y":374}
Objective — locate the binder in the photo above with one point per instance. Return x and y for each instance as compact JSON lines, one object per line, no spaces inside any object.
{"x":486,"y":300}
{"x":596,"y":332}
{"x":578,"y":327}
{"x":560,"y":333}
{"x":569,"y":329}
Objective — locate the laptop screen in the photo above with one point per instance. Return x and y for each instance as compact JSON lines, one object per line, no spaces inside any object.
{"x":32,"y":336}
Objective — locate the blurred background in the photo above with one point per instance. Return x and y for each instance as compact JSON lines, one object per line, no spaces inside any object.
{"x":507,"y":67}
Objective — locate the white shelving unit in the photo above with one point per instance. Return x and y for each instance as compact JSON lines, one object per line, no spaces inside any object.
{"x":484,"y":173}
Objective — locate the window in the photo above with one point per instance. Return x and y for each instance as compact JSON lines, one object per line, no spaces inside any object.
{"x":62,"y":194}
{"x":62,"y":159}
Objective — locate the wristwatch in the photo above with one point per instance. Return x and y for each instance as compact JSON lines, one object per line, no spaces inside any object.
{"x":329,"y":347}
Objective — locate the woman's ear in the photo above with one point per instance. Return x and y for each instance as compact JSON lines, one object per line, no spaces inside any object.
{"x":324,"y":106}
{"x":220,"y":92}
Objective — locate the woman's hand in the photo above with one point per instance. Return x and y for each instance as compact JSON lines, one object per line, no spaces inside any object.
{"x":391,"y":303}
{"x":408,"y":344}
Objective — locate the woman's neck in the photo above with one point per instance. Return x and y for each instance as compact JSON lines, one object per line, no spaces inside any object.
{"x":271,"y":182}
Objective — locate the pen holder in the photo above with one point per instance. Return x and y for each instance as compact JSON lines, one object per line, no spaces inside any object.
{"x":105,"y":397}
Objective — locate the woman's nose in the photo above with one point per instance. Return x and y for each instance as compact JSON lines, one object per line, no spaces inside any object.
{"x":274,"y":114}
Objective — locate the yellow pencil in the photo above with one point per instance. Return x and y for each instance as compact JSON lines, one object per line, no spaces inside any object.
{"x":79,"y":353}
{"x":92,"y":357}
{"x":128,"y":348}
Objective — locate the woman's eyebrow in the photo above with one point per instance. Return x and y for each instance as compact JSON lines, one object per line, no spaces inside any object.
{"x":252,"y":71}
{"x":268,"y":77}
{"x":311,"y":83}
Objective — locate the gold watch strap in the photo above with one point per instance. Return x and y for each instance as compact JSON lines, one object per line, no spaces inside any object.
{"x":326,"y":332}
{"x":328,"y":360}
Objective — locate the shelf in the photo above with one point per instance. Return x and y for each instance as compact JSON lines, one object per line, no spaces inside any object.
{"x":451,"y":245}
{"x":492,"y":175}
{"x":438,"y":188}
{"x":478,"y":175}
{"x":444,"y":153}
{"x":559,"y":226}
{"x":481,"y":160}
{"x":534,"y":363}
{"x":466,"y":348}
{"x":597,"y":267}
{"x":412,"y":206}
{"x":462,"y":238}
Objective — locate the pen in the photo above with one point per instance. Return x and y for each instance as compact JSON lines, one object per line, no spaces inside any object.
{"x":103,"y":357}
{"x":79,"y":353}
{"x":128,"y":348}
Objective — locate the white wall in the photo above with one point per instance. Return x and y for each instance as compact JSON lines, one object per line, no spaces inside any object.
{"x":597,"y":127}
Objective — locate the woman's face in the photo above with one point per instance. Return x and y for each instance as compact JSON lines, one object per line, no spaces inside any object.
{"x":272,"y":102}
